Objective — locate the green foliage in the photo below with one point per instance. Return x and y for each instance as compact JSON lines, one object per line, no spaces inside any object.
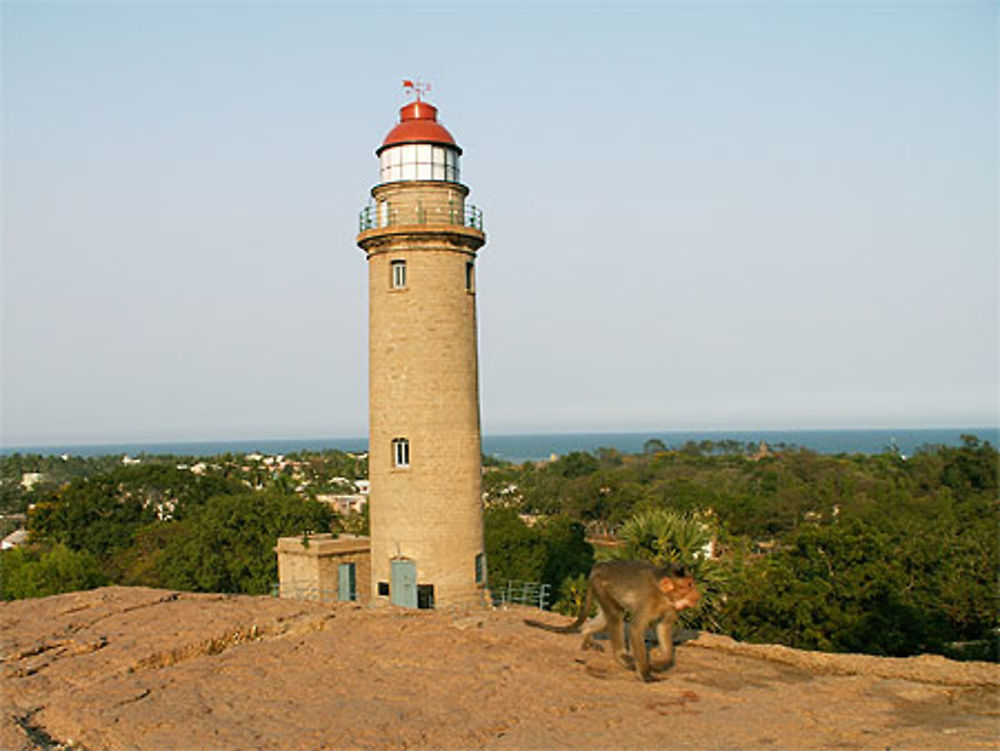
{"x":514,"y":551}
{"x":653,"y":446}
{"x":39,"y":572}
{"x":139,"y":565}
{"x":567,"y":552}
{"x":101,"y":514}
{"x":571,"y":594}
{"x":575,"y":464}
{"x":228,"y":544}
{"x":854,"y":587}
{"x":878,"y":554}
{"x":131,"y":519}
{"x":357,"y":524}
{"x":549,"y":552}
{"x":971,"y":468}
{"x":93,"y":515}
{"x":661,"y":536}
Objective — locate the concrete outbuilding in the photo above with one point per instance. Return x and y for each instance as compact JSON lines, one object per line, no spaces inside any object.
{"x":324,"y":568}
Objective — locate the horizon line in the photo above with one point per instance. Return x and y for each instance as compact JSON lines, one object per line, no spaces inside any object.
{"x":69,"y":444}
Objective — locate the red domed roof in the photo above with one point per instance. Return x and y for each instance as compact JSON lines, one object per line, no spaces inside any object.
{"x":418,"y":124}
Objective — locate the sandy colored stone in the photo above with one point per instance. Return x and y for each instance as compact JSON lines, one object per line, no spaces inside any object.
{"x":122,"y":668}
{"x":423,"y":386}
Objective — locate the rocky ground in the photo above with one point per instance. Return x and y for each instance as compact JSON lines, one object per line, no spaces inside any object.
{"x":123,"y":668}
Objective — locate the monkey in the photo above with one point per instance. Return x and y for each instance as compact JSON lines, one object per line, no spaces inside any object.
{"x":648,"y":594}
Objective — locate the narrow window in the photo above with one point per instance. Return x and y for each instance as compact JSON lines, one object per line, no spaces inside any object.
{"x":398,"y":279}
{"x":470,"y":276}
{"x":480,"y":568}
{"x":400,"y":452}
{"x":383,"y":589}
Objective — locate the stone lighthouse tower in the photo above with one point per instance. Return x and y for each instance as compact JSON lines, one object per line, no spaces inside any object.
{"x":420,"y":238}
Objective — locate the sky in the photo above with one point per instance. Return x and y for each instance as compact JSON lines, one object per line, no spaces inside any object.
{"x":712,"y":215}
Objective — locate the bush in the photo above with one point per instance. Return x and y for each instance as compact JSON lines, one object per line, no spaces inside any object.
{"x":37,"y":572}
{"x":228,"y":544}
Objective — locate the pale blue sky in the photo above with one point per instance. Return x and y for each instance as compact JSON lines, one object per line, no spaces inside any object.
{"x":700,"y":215}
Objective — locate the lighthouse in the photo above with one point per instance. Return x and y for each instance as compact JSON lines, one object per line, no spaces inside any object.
{"x":420,"y":237}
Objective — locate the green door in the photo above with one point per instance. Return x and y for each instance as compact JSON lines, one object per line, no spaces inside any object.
{"x":346,"y":589}
{"x":403,"y":590}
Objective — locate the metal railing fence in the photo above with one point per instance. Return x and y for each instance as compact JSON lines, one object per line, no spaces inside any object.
{"x":374,"y":216}
{"x":522,"y":593}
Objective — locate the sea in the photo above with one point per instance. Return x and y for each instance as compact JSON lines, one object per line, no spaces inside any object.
{"x":538,"y":446}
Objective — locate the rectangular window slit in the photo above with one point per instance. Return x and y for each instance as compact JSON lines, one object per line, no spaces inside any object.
{"x":398,"y":276}
{"x":400,"y":452}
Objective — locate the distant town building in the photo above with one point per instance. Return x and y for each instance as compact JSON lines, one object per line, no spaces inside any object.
{"x":30,"y":479}
{"x":15,"y":539}
{"x":344,"y":504}
{"x":763,"y":452}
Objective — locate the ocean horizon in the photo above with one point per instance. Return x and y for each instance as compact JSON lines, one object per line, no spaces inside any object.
{"x":538,"y":446}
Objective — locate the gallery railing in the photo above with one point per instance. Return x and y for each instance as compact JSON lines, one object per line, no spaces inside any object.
{"x":375,"y":216}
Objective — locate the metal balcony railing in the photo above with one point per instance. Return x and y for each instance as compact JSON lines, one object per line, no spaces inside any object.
{"x":522,"y":593}
{"x":376,"y":216}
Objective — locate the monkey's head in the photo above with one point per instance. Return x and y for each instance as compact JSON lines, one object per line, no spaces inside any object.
{"x":681,"y":589}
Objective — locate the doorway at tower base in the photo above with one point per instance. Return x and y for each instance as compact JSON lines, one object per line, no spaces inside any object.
{"x":405,"y":586}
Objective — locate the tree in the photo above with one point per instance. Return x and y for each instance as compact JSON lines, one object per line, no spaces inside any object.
{"x":653,"y":446}
{"x":94,"y":515}
{"x":662,"y":536}
{"x":575,"y":464}
{"x":514,"y":551}
{"x":567,"y":552}
{"x":228,"y":545}
{"x":37,"y":572}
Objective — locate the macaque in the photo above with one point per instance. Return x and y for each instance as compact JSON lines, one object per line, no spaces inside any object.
{"x":648,"y":594}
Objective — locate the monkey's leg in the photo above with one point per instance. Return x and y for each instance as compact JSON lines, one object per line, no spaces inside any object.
{"x":637,"y":635}
{"x":614,"y":618}
{"x":665,"y":636}
{"x":616,"y":629}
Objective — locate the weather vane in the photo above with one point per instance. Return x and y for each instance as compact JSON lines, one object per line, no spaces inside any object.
{"x":416,"y":87}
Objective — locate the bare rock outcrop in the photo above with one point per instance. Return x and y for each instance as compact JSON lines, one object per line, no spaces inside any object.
{"x":126,"y":668}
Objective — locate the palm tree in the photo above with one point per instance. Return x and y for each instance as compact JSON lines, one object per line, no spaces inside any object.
{"x":662,"y":536}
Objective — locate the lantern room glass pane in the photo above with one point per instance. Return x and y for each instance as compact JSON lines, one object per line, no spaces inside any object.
{"x":419,"y":161}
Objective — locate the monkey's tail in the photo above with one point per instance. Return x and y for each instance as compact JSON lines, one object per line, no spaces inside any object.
{"x":571,"y":628}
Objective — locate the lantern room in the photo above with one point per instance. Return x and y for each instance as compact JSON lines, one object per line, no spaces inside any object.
{"x":419,"y":148}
